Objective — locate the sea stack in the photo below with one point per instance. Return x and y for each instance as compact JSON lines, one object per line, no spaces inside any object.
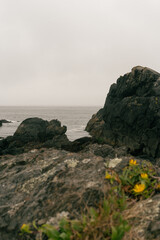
{"x":131,"y":113}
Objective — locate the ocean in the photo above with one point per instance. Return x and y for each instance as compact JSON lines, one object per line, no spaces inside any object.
{"x":75,"y":118}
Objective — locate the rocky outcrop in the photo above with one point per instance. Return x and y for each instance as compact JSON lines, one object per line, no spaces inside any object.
{"x":78,"y":144}
{"x":47,"y":183}
{"x":4,"y":121}
{"x":39,"y":130}
{"x":35,"y":132}
{"x":131,"y":114}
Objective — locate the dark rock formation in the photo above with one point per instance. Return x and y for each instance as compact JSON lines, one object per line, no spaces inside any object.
{"x":4,"y":121}
{"x":78,"y":144}
{"x":131,"y":114}
{"x":45,"y":183}
{"x":31,"y":130}
{"x":35,"y":132}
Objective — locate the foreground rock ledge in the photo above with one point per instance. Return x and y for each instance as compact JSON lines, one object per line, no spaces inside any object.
{"x":45,"y":183}
{"x":131,"y":114}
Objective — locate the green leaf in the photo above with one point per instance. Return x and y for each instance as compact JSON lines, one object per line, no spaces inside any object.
{"x":114,"y":234}
{"x":93,"y":213}
{"x":77,"y":226}
{"x":50,"y":231}
{"x":34,"y":225}
{"x":106,"y":207}
{"x":64,"y":236}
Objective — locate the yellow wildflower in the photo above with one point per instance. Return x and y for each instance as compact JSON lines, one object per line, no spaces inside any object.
{"x":139,"y":188}
{"x":26,"y":228}
{"x":132,"y":162}
{"x":158,"y":186}
{"x":144,"y":175}
{"x":23,"y":226}
{"x":108,"y":176}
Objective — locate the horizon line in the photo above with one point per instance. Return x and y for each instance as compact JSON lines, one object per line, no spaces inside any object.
{"x":51,"y":106}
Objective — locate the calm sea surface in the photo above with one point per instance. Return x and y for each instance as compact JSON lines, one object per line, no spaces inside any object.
{"x":75,"y":118}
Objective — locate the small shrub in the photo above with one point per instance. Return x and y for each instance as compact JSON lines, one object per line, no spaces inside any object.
{"x":105,"y":222}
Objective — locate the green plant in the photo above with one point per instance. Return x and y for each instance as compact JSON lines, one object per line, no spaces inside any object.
{"x":136,"y":180}
{"x":63,"y":232}
{"x":103,"y":223}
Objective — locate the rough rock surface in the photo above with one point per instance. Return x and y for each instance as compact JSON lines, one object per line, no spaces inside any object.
{"x":46,"y":184}
{"x":35,"y":132}
{"x":145,"y":219}
{"x":131,"y":114}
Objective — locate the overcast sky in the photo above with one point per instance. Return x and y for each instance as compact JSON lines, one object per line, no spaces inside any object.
{"x":69,"y":52}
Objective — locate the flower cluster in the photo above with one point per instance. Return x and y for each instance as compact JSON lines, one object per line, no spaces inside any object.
{"x":137,"y":179}
{"x":132,"y":162}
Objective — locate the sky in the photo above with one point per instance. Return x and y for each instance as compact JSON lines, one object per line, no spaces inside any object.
{"x":69,"y":52}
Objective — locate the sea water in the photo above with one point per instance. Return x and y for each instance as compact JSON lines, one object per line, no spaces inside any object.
{"x":75,"y":118}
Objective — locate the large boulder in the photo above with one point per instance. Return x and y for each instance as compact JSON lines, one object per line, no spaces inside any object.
{"x":131,"y":114}
{"x":32,"y":129}
{"x":35,"y":132}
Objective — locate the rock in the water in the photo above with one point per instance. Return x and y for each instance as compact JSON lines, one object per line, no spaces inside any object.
{"x":54,"y":128}
{"x":4,"y":121}
{"x":32,"y":130}
{"x":131,"y":114}
{"x":35,"y":133}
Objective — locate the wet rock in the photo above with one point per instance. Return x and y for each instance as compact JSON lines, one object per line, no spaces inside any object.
{"x":31,"y":130}
{"x":54,"y":128}
{"x":4,"y":121}
{"x":131,"y":114}
{"x":35,"y":133}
